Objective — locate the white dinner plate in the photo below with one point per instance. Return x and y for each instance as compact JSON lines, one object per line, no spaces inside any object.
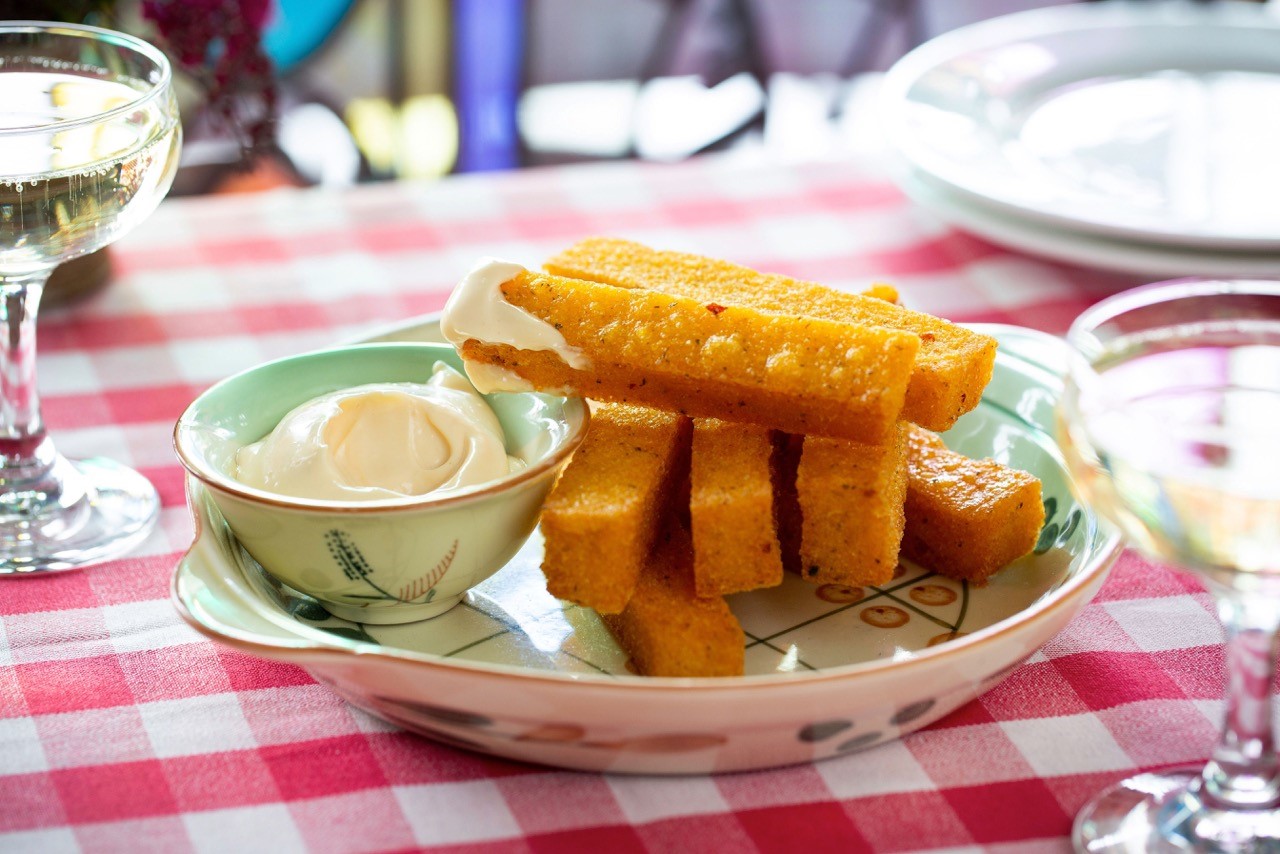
{"x":830,"y":669}
{"x":1148,"y":121}
{"x":1073,"y":247}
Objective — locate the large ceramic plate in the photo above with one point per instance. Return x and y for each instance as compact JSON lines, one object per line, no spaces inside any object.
{"x":830,"y":669}
{"x":1155,"y":121}
{"x":1047,"y":241}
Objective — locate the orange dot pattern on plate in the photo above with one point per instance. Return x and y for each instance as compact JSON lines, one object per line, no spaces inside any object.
{"x":944,"y":637}
{"x":841,"y":594}
{"x":554,"y":732}
{"x":679,"y":742}
{"x":884,"y":616}
{"x":932,"y":594}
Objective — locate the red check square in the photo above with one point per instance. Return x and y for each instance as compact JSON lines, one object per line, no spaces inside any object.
{"x":113,"y":792}
{"x":136,"y":579}
{"x":248,"y":674}
{"x":1106,"y":679}
{"x":909,"y":821}
{"x":408,"y":759}
{"x":29,"y":801}
{"x":67,"y":686}
{"x":56,"y":592}
{"x":213,"y":781}
{"x":615,"y":840}
{"x":803,"y":827}
{"x":970,"y":714}
{"x":1001,"y":812}
{"x":310,"y":769}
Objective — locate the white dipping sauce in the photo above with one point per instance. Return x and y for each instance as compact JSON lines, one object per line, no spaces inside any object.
{"x":476,"y":310}
{"x":381,"y":441}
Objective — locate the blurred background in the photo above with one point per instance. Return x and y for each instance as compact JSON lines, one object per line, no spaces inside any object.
{"x":335,"y":92}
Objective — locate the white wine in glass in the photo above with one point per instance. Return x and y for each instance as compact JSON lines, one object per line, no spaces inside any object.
{"x":89,"y":142}
{"x":1170,"y":423}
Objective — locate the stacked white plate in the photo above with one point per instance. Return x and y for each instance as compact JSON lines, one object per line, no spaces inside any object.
{"x":1134,"y":136}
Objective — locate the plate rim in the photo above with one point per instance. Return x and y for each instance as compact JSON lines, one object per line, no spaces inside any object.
{"x":1097,"y":564}
{"x":1032,"y":23}
{"x":1077,"y":248}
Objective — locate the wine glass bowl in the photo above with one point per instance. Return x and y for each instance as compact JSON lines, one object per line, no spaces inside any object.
{"x":1170,"y":424}
{"x":89,"y":142}
{"x":89,"y":139}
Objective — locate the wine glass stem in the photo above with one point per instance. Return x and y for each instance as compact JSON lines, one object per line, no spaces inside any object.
{"x":1243,"y":772}
{"x":26,"y":455}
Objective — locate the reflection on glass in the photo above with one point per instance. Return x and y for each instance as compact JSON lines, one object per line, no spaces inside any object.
{"x":89,"y":141}
{"x":1169,"y":425}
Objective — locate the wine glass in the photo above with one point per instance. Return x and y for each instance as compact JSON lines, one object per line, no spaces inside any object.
{"x":1171,"y":426}
{"x":89,"y":140}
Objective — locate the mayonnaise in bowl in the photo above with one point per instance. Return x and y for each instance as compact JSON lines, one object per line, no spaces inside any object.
{"x":373,"y":479}
{"x":381,"y":441}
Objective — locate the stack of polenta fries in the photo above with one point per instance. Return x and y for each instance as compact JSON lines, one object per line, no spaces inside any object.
{"x":752,"y":424}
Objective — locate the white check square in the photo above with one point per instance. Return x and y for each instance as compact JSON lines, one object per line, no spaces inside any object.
{"x":20,"y":749}
{"x":139,"y":626}
{"x":210,"y":723}
{"x":452,"y":813}
{"x":645,"y":799}
{"x":266,"y":829}
{"x":1071,"y":744}
{"x":896,"y":770}
{"x":1169,"y":622}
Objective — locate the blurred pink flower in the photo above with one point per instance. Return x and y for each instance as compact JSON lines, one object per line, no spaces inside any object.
{"x":218,"y":43}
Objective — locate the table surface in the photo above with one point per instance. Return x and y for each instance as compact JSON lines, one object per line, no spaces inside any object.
{"x":123,"y":729}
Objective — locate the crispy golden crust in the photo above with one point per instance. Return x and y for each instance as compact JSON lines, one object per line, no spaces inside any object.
{"x":952,"y":367}
{"x":884,"y":291}
{"x":966,"y":518}
{"x":667,"y":629}
{"x":735,"y":540}
{"x":602,"y":517}
{"x":801,"y":375}
{"x":851,"y":505}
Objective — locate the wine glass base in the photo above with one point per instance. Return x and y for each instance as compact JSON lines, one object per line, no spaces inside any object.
{"x":105,"y":510}
{"x":1161,"y":813}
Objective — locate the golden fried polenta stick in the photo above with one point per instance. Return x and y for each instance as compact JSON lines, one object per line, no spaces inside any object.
{"x":802,"y":375}
{"x":667,"y":630}
{"x":953,"y":365}
{"x":882,"y":291}
{"x":851,"y":505}
{"x":601,"y":519}
{"x":966,"y":518}
{"x":731,"y":510}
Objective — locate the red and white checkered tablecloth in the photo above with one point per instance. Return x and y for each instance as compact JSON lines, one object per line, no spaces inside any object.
{"x":121,"y":729}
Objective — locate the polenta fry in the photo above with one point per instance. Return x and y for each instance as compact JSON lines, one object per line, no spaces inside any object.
{"x":731,"y":509}
{"x":851,"y":499}
{"x":800,"y":375}
{"x":966,"y":518}
{"x":952,"y":366}
{"x":667,"y":630}
{"x":601,"y":519}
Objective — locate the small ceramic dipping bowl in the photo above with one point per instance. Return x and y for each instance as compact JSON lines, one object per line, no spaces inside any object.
{"x":386,"y":561}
